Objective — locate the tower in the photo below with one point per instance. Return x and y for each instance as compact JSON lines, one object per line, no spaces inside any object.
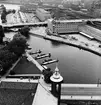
{"x":56,"y":80}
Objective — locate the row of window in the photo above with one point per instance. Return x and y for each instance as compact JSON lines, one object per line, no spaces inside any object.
{"x":65,"y":30}
{"x":66,"y":27}
{"x":63,"y":23}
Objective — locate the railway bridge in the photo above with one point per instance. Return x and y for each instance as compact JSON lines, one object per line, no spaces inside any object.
{"x":43,"y":23}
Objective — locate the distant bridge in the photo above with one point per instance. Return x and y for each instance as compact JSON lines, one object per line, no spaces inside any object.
{"x":24,"y":24}
{"x":45,"y":23}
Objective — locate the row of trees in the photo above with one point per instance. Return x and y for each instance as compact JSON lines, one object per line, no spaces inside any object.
{"x":1,"y":34}
{"x":11,"y":52}
{"x":14,"y":49}
{"x":4,"y":13}
{"x":24,"y":31}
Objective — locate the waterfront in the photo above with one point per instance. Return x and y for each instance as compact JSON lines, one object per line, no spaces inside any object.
{"x":76,"y":66}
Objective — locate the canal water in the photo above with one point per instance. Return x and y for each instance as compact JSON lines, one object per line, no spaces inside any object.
{"x":75,"y":65}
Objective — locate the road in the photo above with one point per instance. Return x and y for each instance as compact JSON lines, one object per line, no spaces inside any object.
{"x":90,"y":91}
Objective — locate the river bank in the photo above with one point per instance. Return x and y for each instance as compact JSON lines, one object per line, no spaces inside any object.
{"x":75,"y":40}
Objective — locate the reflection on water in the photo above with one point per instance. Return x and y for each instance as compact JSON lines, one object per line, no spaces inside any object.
{"x":55,"y":44}
{"x":76,"y":66}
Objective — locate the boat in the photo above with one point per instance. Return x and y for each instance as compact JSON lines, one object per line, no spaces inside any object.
{"x":46,"y":60}
{"x":40,"y":56}
{"x":39,"y":51}
{"x":50,"y":61}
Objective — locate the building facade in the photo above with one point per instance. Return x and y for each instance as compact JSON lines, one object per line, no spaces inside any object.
{"x":64,"y":26}
{"x":42,"y":14}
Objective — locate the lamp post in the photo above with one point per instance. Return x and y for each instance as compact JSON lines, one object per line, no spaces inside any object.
{"x":56,"y":80}
{"x":98,"y":83}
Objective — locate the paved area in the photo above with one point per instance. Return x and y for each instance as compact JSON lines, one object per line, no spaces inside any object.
{"x":45,"y":97}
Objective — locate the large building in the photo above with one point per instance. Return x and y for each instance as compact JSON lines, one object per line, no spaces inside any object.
{"x":42,"y":14}
{"x":64,"y":26}
{"x":28,"y":8}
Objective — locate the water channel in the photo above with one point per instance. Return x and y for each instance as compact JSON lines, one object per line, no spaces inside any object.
{"x":75,"y":65}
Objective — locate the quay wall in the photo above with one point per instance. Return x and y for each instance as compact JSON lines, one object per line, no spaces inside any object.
{"x":74,"y":45}
{"x":68,"y":43}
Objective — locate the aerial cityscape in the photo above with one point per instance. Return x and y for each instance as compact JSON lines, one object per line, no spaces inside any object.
{"x":50,"y":52}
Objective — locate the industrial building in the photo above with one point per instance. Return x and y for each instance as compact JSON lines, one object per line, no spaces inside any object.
{"x":28,"y":8}
{"x":64,"y":26}
{"x":42,"y":14}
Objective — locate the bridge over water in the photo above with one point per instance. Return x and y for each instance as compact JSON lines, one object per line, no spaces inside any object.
{"x":44,"y":23}
{"x":24,"y":24}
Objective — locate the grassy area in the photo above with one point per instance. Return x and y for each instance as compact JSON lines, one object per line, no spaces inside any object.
{"x":1,"y":46}
{"x":26,"y":67}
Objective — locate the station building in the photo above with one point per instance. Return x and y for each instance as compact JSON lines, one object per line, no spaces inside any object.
{"x":64,"y":26}
{"x":42,"y":14}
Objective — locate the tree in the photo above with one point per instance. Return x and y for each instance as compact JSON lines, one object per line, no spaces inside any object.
{"x":47,"y":74}
{"x":1,"y":69}
{"x":3,"y":14}
{"x":13,"y":11}
{"x":25,"y":31}
{"x":7,"y":58}
{"x":3,"y":8}
{"x":18,"y":44}
{"x":1,"y":34}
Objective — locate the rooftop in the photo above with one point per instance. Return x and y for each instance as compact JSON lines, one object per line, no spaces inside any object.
{"x":74,"y":20}
{"x":42,"y":10}
{"x":16,"y":97}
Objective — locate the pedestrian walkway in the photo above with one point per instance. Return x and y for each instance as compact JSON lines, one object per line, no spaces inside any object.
{"x":44,"y":97}
{"x":30,"y":58}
